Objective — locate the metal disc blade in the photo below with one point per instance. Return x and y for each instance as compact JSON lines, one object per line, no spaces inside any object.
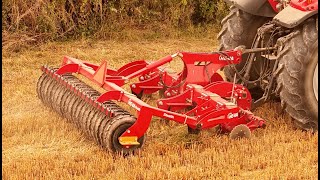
{"x":240,"y":131}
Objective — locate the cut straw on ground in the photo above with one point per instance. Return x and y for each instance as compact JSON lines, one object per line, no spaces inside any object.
{"x":38,"y":144}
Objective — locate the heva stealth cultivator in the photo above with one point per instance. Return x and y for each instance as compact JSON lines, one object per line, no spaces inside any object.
{"x":198,"y":97}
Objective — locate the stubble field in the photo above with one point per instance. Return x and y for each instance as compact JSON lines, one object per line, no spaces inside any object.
{"x":38,"y":144}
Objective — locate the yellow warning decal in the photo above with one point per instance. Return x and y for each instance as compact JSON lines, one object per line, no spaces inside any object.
{"x":129,"y":140}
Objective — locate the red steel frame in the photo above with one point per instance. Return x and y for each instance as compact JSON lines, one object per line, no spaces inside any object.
{"x":206,"y":98}
{"x":197,"y":65}
{"x":302,"y":5}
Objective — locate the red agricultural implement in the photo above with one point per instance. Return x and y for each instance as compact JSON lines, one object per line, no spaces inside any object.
{"x":197,"y":96}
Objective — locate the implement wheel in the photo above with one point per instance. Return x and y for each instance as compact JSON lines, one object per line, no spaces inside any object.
{"x":116,"y":127}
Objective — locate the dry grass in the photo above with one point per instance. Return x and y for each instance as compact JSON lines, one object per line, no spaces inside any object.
{"x":38,"y":144}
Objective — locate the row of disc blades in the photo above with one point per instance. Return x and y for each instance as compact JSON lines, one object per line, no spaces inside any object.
{"x":75,"y":109}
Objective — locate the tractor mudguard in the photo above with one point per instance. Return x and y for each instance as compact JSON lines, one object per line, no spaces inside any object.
{"x":255,"y":7}
{"x":296,"y":13}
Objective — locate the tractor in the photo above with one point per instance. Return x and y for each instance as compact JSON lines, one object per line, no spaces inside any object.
{"x":288,"y":72}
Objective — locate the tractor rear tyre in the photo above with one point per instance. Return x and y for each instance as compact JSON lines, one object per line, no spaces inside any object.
{"x":240,"y":28}
{"x":298,"y":77}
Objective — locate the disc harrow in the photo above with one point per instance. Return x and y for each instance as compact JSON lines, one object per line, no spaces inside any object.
{"x":197,"y":97}
{"x":69,"y":97}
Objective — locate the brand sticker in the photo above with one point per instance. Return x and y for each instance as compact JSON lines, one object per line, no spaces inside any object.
{"x":133,"y":105}
{"x":232,"y":115}
{"x":226,"y":58}
{"x":168,"y":115}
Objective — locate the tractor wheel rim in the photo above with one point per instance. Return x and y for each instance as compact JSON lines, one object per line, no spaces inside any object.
{"x":315,"y":81}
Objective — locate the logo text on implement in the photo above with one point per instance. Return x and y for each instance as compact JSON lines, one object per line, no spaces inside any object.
{"x":133,"y":105}
{"x":226,"y":58}
{"x":168,"y":115}
{"x":232,"y":115}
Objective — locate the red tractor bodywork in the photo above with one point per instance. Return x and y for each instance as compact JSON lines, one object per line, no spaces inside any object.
{"x":286,"y":14}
